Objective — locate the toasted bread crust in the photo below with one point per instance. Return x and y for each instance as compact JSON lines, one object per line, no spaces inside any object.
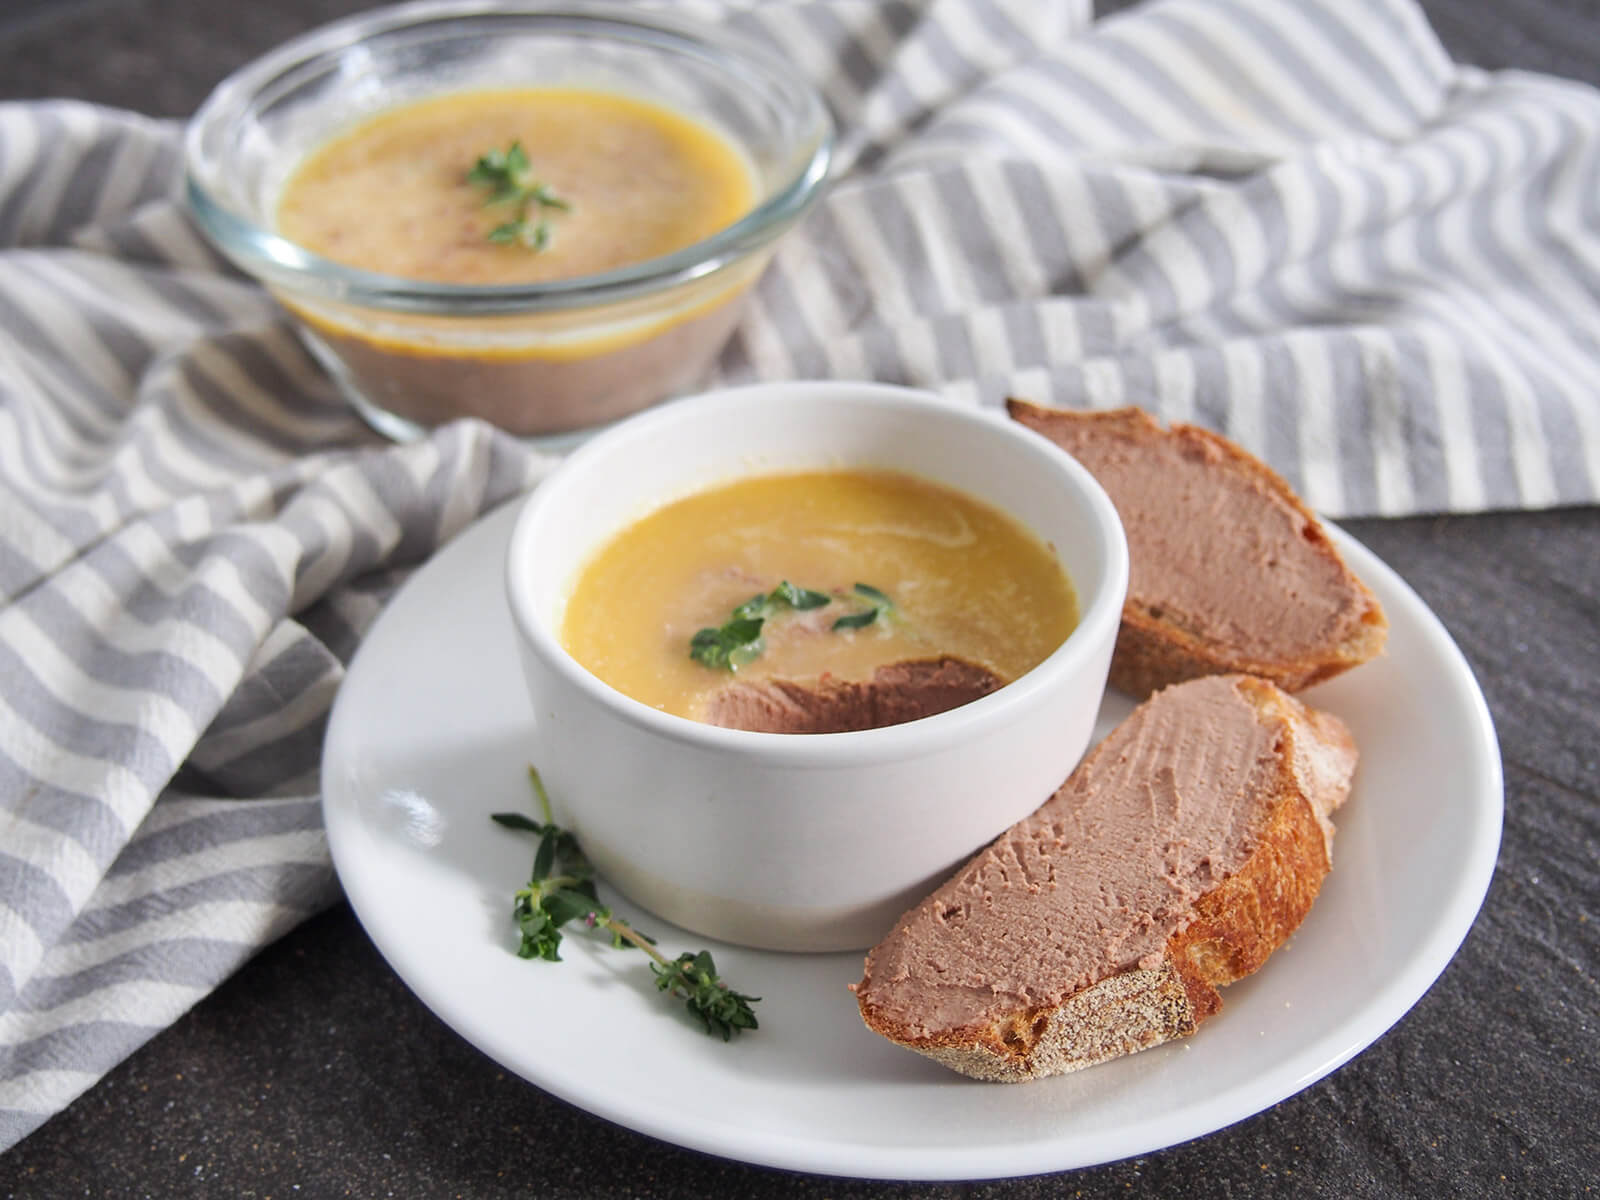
{"x":1153,"y":649}
{"x":1234,"y":927}
{"x":1121,"y":1015}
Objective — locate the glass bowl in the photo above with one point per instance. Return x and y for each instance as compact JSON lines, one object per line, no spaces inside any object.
{"x":545,"y":359}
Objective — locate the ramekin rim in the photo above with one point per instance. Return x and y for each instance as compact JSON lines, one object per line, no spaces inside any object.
{"x":1099,"y":615}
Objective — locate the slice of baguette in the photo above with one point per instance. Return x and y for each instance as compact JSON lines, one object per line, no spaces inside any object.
{"x":1175,"y":859}
{"x":1229,"y":570}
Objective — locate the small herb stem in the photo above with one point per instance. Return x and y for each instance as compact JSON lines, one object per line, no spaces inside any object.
{"x":551,"y":882}
{"x":622,"y":929}
{"x":509,"y":178}
{"x":561,"y":889}
{"x":539,"y":791}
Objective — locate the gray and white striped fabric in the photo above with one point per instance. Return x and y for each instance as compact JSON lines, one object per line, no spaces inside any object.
{"x":1297,"y":223}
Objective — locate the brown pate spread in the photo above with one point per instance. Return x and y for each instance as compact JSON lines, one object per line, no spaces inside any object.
{"x":1095,"y":882}
{"x":1216,"y":548}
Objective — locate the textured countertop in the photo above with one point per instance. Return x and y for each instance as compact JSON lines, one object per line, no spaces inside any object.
{"x":315,"y":1072}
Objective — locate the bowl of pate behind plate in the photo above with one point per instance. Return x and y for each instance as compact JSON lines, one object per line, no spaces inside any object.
{"x":816,"y":841}
{"x":553,"y":358}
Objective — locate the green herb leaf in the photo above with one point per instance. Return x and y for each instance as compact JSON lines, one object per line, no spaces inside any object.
{"x":545,"y":198}
{"x":880,"y":603}
{"x":693,"y":978}
{"x":562,"y":891}
{"x":569,"y":904}
{"x":501,"y":171}
{"x":730,"y":646}
{"x":858,"y":620}
{"x":513,"y":820}
{"x":798,"y":597}
{"x":508,"y":176}
{"x":736,"y":641}
{"x":541,"y":938}
{"x":545,"y":860}
{"x":757,"y":608}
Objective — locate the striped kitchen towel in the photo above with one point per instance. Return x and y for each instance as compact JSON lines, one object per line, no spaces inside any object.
{"x":1297,"y":223}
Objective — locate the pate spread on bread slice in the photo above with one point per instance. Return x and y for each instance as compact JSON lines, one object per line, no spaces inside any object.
{"x":1228,"y":570}
{"x":1183,"y":850}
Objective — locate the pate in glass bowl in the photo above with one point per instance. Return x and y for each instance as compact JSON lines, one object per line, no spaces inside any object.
{"x":542,"y":216}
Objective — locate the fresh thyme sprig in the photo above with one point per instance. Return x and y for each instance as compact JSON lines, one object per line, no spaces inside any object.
{"x":509,"y":177}
{"x":562,"y":890}
{"x":737,"y":640}
{"x":878,"y":604}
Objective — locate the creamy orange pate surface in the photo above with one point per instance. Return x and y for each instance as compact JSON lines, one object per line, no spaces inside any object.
{"x":392,"y":195}
{"x":962,"y":580}
{"x":634,"y":181}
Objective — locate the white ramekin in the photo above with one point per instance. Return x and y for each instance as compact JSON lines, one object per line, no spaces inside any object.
{"x":804,"y":841}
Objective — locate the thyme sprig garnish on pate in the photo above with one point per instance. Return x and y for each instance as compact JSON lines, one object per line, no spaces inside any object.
{"x":738,"y":640}
{"x":510,"y":179}
{"x":561,"y":889}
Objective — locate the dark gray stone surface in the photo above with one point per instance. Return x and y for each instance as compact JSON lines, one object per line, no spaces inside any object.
{"x":314,"y":1072}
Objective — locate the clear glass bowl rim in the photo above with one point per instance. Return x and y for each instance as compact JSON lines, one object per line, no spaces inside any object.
{"x":279,"y":262}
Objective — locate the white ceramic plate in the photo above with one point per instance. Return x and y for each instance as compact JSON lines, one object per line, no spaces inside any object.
{"x":427,"y":738}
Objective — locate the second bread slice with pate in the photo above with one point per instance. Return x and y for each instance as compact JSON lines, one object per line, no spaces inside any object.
{"x":1228,"y":569}
{"x":1185,"y":848}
